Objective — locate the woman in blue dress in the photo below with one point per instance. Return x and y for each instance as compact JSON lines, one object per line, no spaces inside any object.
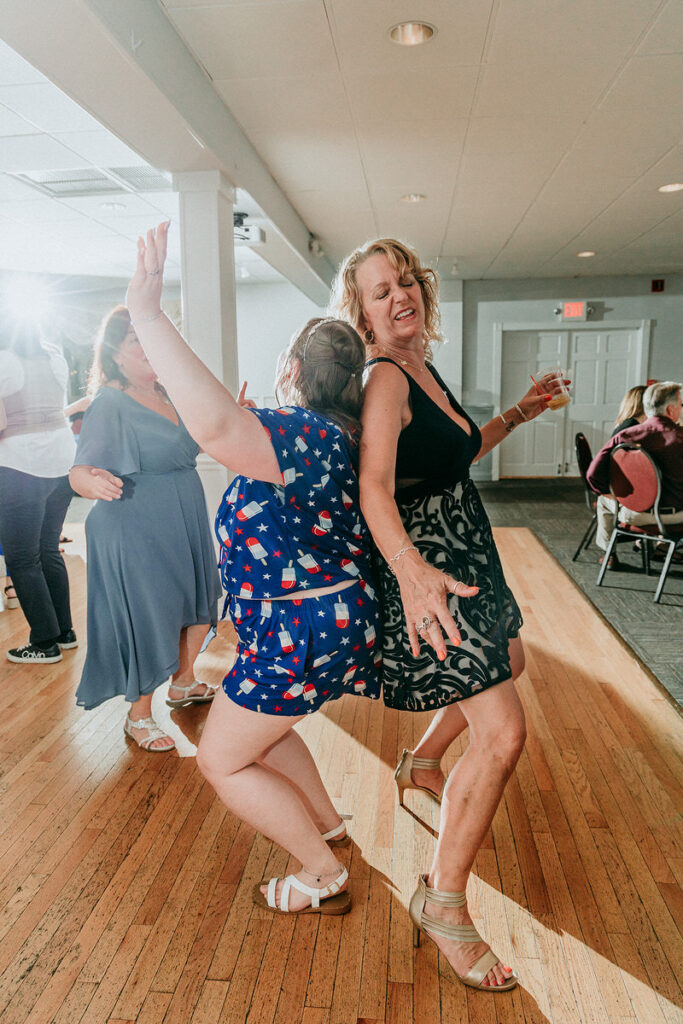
{"x":153,"y":586}
{"x":295,"y":560}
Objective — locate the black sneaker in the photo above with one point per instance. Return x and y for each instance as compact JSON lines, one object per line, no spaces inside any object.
{"x":33,"y":653}
{"x":67,"y":640}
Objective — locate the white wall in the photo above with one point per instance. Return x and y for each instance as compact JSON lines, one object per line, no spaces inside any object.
{"x":267,"y":317}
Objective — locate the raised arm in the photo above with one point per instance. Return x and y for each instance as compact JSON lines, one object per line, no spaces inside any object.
{"x":423,"y":587}
{"x":528,"y":408}
{"x":222,"y":428}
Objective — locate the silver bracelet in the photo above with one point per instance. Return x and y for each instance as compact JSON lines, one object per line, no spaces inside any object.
{"x":525,"y":418}
{"x":411,"y":547}
{"x":502,"y":419}
{"x":147,"y":319}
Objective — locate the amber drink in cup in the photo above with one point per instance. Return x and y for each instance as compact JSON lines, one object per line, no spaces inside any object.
{"x":551,"y":380}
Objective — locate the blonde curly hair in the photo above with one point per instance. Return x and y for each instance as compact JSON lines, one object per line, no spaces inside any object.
{"x":346,"y":298}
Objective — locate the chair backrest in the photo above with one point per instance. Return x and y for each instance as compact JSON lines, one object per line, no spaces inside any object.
{"x":634,"y":478}
{"x":584,"y":456}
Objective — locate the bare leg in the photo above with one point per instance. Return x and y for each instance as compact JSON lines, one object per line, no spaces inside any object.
{"x":233,"y":743}
{"x":448,"y":723}
{"x":471,"y":796}
{"x":142,"y":708}
{"x":191,"y":640}
{"x":291,"y":759}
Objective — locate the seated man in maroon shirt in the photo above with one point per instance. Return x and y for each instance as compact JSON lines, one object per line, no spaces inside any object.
{"x":662,"y":437}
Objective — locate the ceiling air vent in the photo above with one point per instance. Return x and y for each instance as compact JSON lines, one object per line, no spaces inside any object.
{"x":70,"y":183}
{"x":96,"y":181}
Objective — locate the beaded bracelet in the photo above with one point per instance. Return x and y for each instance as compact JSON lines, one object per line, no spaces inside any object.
{"x":525,"y":418}
{"x":411,"y":547}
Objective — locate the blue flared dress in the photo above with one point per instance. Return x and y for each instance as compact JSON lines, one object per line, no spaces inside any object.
{"x":151,"y":561}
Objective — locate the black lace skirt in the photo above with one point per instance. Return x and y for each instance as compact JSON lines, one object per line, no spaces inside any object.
{"x":451,"y":531}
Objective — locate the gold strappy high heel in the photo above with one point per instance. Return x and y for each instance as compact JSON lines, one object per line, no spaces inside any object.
{"x":460,"y":932}
{"x":404,"y":774}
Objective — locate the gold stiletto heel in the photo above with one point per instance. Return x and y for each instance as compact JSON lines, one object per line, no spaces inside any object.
{"x":460,"y":932}
{"x":404,"y":774}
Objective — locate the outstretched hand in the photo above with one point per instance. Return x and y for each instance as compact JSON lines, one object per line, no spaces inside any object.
{"x":536,"y":401}
{"x":143,"y":297}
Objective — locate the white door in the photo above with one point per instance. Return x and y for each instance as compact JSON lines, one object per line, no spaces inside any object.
{"x":602,"y":363}
{"x":537,"y":449}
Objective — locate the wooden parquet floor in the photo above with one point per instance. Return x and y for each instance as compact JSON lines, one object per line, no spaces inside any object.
{"x":125,"y":885}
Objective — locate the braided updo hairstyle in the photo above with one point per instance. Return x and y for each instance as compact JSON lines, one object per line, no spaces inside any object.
{"x":322,"y":370}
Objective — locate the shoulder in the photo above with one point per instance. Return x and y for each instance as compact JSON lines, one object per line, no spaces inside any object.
{"x":386,"y":377}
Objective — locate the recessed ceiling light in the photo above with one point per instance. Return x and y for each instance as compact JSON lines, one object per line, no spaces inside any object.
{"x":413,"y":197}
{"x":411,"y":33}
{"x":675,"y":186}
{"x":111,"y":205}
{"x":585,"y":254}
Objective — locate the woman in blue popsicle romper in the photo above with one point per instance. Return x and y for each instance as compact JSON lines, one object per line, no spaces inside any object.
{"x":295,"y":564}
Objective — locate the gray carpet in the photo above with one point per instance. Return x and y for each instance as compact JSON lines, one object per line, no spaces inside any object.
{"x":556,"y":512}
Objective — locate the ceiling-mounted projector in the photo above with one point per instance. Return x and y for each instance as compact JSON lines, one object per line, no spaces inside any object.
{"x":247,"y":234}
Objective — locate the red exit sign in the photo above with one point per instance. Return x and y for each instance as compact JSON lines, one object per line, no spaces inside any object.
{"x":574,"y":310}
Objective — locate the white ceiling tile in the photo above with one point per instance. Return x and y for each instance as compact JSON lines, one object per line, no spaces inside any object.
{"x":532,"y":168}
{"x":39,"y":211}
{"x":14,"y":70}
{"x":101,"y":148}
{"x":361,"y":31}
{"x":397,"y":102}
{"x":330,"y":157}
{"x":47,"y":107}
{"x":133,"y":205}
{"x":23,"y":153}
{"x":15,"y":190}
{"x":269,"y":103}
{"x":426,"y":164}
{"x":563,"y":87}
{"x":251,"y":40}
{"x":583,"y":29}
{"x":666,"y":33}
{"x":13,"y":124}
{"x":502,"y":136}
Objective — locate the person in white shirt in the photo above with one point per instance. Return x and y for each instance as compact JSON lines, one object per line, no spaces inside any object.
{"x":36,"y":452}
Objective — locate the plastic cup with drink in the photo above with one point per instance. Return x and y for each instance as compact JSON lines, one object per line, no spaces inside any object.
{"x":551,"y":380}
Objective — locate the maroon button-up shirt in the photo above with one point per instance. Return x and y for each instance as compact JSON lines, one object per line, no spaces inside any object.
{"x":663,"y":440}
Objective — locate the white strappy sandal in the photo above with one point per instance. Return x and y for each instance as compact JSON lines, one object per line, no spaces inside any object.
{"x":153,"y":733}
{"x":189,"y":698}
{"x":328,"y":900}
{"x":337,"y":836}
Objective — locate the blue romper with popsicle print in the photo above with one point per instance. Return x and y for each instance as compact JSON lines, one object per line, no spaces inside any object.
{"x":302,"y":534}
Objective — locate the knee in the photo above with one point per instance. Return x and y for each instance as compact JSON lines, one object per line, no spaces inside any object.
{"x":206,"y":764}
{"x":504,"y":741}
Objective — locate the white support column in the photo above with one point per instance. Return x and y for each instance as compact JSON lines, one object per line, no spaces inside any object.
{"x":208,"y":291}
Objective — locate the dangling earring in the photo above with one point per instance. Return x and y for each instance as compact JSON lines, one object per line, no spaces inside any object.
{"x":369,"y":337}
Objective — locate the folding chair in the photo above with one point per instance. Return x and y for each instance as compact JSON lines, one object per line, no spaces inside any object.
{"x":636,"y":484}
{"x":584,"y":459}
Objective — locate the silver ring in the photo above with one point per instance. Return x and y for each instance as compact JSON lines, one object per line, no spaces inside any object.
{"x":424,"y":624}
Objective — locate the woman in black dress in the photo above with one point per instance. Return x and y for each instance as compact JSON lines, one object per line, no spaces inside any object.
{"x":439,"y":572}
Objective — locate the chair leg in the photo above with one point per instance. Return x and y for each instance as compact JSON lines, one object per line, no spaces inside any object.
{"x":665,"y":570}
{"x":587,"y":537}
{"x":646,"y":555}
{"x":608,"y":553}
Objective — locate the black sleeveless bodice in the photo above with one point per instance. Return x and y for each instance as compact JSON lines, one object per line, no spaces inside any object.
{"x":433,"y":448}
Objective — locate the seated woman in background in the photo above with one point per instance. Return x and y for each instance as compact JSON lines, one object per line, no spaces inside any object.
{"x":153,"y":584}
{"x":36,"y":451}
{"x":296,"y":563}
{"x":630,"y":413}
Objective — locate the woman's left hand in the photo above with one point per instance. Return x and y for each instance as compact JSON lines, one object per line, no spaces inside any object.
{"x":143,"y":297}
{"x":534,"y":403}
